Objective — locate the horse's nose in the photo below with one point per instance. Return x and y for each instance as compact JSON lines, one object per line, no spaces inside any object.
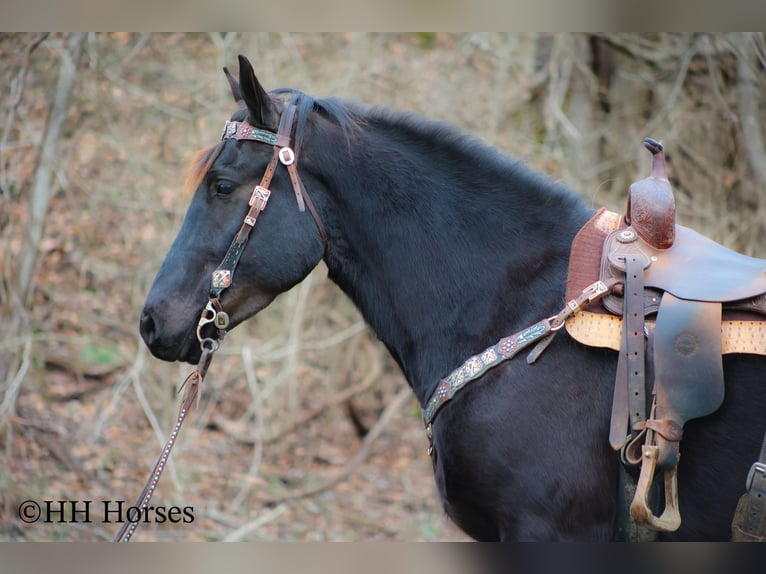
{"x":147,"y":326}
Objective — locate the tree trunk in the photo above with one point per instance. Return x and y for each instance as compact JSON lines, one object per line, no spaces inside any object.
{"x":747,"y":102}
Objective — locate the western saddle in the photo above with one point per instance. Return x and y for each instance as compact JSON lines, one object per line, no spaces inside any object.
{"x":678,"y":302}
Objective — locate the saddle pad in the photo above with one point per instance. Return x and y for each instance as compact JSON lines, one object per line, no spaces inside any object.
{"x":585,"y":254}
{"x":605,"y":331}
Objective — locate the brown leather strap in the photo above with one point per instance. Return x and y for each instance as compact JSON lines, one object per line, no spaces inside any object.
{"x":749,"y":523}
{"x":507,"y":348}
{"x":315,"y":214}
{"x":133,"y":518}
{"x":292,"y":170}
{"x":301,"y":195}
{"x":244,"y":131}
{"x":618,"y":430}
{"x":635,"y":344}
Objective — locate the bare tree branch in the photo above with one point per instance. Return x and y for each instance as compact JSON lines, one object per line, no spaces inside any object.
{"x":17,"y":91}
{"x":41,"y":192}
{"x":359,"y":457}
{"x":748,"y":95}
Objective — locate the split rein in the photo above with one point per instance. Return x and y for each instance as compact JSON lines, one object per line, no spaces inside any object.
{"x":213,"y":313}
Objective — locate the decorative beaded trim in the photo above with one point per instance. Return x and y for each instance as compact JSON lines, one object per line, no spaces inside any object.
{"x":241,"y":130}
{"x":507,"y":348}
{"x":473,"y":368}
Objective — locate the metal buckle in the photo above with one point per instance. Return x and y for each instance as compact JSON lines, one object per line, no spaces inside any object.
{"x":590,"y":294}
{"x":259,"y":193}
{"x":596,"y":290}
{"x":230,"y":130}
{"x":553,"y":325}
{"x":757,"y":467}
{"x":287,"y":156}
{"x":430,"y":437}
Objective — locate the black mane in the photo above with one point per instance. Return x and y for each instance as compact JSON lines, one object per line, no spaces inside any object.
{"x":352,"y":117}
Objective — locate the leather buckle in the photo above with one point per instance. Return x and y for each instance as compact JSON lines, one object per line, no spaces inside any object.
{"x":757,"y":467}
{"x":259,"y":193}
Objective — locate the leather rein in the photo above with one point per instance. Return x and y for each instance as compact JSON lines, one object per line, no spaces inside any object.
{"x":221,"y":279}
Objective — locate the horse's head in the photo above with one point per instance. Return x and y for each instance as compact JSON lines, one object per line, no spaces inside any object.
{"x":284,"y":246}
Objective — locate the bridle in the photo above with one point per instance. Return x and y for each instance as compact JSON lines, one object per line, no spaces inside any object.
{"x":221,"y":279}
{"x":284,"y":154}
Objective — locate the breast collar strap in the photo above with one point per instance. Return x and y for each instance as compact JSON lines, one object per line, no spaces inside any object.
{"x":541,"y":334}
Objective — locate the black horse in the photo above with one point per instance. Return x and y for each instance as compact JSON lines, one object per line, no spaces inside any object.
{"x":445,"y":245}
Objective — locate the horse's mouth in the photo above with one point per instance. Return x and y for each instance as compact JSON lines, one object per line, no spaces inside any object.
{"x":188,"y":351}
{"x":171,"y":340}
{"x":172,"y":348}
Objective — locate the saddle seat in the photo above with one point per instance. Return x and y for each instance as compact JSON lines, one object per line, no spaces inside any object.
{"x":679,"y":302}
{"x":693,"y":268}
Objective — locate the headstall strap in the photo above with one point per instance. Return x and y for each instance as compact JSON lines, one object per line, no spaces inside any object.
{"x":284,"y":154}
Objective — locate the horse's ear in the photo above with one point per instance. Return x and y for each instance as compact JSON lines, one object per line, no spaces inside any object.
{"x":234,"y":84}
{"x":263,"y":111}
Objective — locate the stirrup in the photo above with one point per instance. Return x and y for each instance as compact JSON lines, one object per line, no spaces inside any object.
{"x":670,"y":519}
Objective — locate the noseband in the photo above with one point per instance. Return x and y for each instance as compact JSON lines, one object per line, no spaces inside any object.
{"x":221,"y":280}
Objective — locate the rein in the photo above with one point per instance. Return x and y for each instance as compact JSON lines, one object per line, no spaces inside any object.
{"x":222,"y":277}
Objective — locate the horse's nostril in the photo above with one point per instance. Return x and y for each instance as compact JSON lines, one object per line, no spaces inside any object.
{"x":147,"y":326}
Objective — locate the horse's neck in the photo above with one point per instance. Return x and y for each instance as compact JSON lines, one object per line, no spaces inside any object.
{"x":441,"y":272}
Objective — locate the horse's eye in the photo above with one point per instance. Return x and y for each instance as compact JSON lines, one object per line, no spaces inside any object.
{"x":224,"y":187}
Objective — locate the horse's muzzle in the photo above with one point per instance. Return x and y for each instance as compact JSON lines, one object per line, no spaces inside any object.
{"x":166,"y":343}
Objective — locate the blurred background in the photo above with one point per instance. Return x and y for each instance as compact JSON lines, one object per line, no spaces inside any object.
{"x":305,"y":430}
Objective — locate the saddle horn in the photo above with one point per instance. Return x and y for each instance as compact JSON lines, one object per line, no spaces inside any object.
{"x":651,"y":206}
